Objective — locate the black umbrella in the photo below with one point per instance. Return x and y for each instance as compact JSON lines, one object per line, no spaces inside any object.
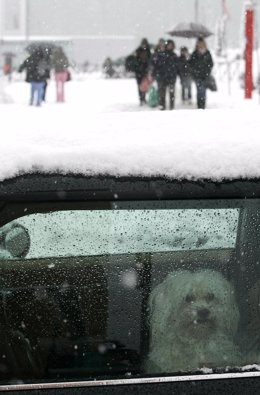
{"x":46,"y":47}
{"x":190,"y":30}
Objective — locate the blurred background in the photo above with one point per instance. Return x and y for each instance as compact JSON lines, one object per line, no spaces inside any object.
{"x":92,"y":30}
{"x":98,"y":35}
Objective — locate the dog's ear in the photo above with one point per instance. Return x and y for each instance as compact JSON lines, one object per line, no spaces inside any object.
{"x":165,"y":298}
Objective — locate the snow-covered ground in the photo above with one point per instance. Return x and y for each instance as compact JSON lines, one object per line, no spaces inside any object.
{"x":96,"y":94}
{"x":101,"y":128}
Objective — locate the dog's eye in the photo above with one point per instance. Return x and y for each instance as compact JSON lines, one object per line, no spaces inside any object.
{"x":190,"y":298}
{"x":210,"y":296}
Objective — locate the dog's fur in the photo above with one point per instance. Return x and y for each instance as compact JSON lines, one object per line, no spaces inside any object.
{"x":193,"y":322}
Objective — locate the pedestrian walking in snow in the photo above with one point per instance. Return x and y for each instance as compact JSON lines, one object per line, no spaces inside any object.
{"x":143,"y":57}
{"x":165,"y":71}
{"x":35,"y":66}
{"x":160,"y":47}
{"x":108,"y":68}
{"x":185,"y":75}
{"x":201,"y":64}
{"x":60,"y":65}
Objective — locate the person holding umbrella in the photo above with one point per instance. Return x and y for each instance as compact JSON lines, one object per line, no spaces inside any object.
{"x":201,"y":61}
{"x":201,"y":64}
{"x":35,"y":66}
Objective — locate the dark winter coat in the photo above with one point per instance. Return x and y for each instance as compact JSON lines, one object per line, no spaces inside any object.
{"x":200,"y":65}
{"x":36,"y":68}
{"x":184,"y":68}
{"x":143,"y":57}
{"x":165,"y":66}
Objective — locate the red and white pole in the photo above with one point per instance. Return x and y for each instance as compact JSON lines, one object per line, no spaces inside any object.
{"x":249,"y":35}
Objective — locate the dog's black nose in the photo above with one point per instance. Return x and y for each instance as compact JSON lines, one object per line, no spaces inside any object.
{"x":203,"y":313}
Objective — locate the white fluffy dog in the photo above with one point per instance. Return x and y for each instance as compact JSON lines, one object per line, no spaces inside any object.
{"x":193,"y":321}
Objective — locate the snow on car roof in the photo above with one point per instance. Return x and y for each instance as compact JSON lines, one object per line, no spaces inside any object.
{"x":187,"y":144}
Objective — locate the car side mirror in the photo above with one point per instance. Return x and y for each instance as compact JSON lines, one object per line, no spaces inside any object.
{"x":14,"y":241}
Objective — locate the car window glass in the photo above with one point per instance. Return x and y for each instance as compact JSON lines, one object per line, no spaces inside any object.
{"x":75,"y":233}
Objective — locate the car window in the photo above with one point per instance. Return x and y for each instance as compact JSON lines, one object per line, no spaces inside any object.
{"x":134,"y":290}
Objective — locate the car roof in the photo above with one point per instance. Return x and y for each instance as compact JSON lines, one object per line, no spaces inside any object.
{"x":70,"y":187}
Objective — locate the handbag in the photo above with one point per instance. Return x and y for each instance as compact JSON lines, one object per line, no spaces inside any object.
{"x":144,"y":85}
{"x":211,"y":83}
{"x":153,"y":96}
